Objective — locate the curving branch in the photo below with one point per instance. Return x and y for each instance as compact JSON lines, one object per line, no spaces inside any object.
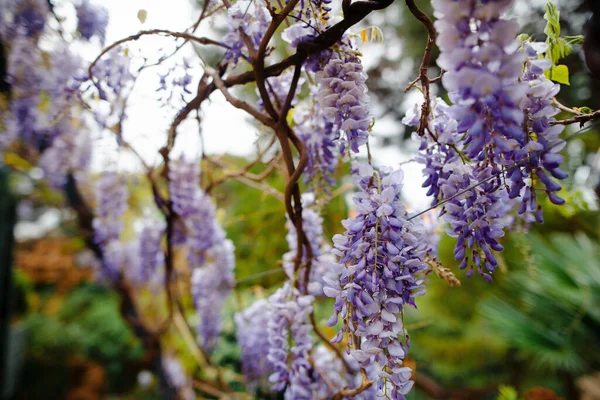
{"x":423,"y":77}
{"x":579,"y":118}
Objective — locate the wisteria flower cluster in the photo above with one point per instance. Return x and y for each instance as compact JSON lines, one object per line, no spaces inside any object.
{"x":245,"y":19}
{"x":318,"y":136}
{"x":475,"y":213}
{"x":381,"y":260}
{"x":250,"y":333}
{"x":211,"y":285}
{"x":211,"y":256}
{"x":196,"y":210}
{"x":496,"y":134}
{"x":23,"y":17}
{"x":343,"y":97}
{"x":111,"y":205}
{"x":290,"y":342}
{"x":92,"y":21}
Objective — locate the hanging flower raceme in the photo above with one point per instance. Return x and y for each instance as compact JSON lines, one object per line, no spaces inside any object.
{"x":475,"y":213}
{"x":23,"y":17}
{"x":245,"y":18}
{"x":211,"y":284}
{"x":196,"y":210}
{"x":91,"y":20}
{"x":538,"y":159}
{"x":343,"y":97}
{"x":113,"y":75}
{"x":479,"y":53}
{"x":152,"y":257}
{"x":177,"y":377}
{"x":210,"y":255}
{"x":111,"y":204}
{"x":318,"y":136}
{"x":381,"y":259}
{"x":290,"y":342}
{"x":497,"y":134}
{"x":40,"y":115}
{"x":250,"y":333}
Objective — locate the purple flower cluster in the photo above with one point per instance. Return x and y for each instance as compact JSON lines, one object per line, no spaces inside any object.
{"x":114,"y":75}
{"x":301,"y":32}
{"x":91,"y":20}
{"x":318,"y":136}
{"x":343,"y":97}
{"x":475,"y":216}
{"x":381,"y":259}
{"x":486,"y":152}
{"x":23,"y":17}
{"x":196,"y":210}
{"x":479,"y":53}
{"x":246,"y":18}
{"x":290,"y":342}
{"x":176,"y":81}
{"x":250,"y":333}
{"x":177,"y":377}
{"x":111,"y":204}
{"x":118,"y":257}
{"x":539,"y":155}
{"x":209,"y":291}
{"x":40,"y":115}
{"x":210,"y":255}
{"x":211,"y":284}
{"x":152,"y":257}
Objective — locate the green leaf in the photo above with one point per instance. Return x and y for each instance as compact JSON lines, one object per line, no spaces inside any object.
{"x":578,"y":39}
{"x":559,"y":74}
{"x":584,"y":110}
{"x":507,"y":393}
{"x":552,"y":15}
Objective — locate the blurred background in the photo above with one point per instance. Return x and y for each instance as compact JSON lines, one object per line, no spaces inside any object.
{"x":532,"y":334}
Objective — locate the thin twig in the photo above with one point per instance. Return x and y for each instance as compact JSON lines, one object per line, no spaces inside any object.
{"x":137,"y":36}
{"x":581,"y":118}
{"x":423,"y":77}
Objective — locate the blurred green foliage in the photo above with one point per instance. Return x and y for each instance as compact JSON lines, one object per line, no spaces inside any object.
{"x":537,"y":321}
{"x":87,"y":325}
{"x":552,"y":309}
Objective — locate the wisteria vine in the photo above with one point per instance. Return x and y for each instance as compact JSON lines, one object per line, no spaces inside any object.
{"x":489,"y":153}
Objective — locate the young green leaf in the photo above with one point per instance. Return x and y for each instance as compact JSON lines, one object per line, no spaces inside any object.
{"x":559,"y":73}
